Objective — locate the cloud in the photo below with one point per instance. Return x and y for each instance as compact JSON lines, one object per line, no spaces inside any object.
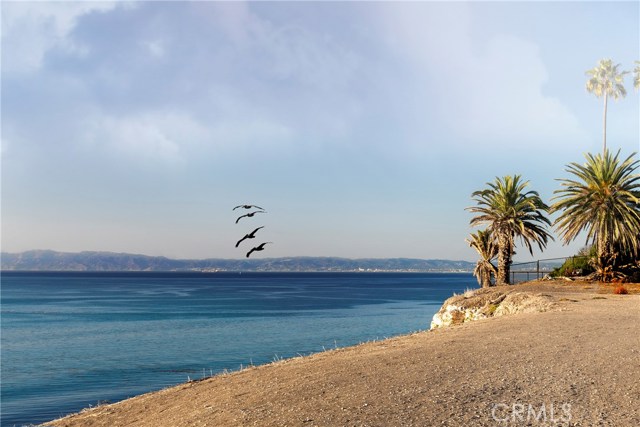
{"x":297,"y":54}
{"x":267,"y":68}
{"x":176,"y":137}
{"x":250,"y":132}
{"x":240,"y":74}
{"x":4,"y":146}
{"x":155,"y":48}
{"x":505,"y":97}
{"x":488,"y":89}
{"x":31,"y":29}
{"x":157,"y":136}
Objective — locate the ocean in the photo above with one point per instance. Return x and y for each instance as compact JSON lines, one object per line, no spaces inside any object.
{"x":74,"y":340}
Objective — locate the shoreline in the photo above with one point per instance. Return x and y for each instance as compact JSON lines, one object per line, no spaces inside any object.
{"x":180,"y":326}
{"x":584,"y":353}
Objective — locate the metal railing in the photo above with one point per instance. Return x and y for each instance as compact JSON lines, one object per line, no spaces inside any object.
{"x":524,"y":271}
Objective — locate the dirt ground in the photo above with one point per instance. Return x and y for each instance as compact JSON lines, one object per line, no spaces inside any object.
{"x":578,"y":365}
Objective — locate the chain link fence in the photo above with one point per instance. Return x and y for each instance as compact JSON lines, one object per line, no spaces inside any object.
{"x":524,"y":271}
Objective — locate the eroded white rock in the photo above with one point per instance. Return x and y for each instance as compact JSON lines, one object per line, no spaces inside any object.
{"x":485,"y":303}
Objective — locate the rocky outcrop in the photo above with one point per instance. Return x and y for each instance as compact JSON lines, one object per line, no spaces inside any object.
{"x":489,"y":302}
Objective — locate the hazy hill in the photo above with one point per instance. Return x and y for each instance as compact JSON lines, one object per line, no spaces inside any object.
{"x":45,"y":260}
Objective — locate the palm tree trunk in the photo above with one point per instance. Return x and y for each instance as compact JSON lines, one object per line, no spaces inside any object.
{"x":605,"y":257}
{"x":504,"y":260}
{"x":604,"y":126}
{"x":486,"y":280}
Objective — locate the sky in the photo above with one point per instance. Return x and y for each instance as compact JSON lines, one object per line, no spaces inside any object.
{"x":361,"y":127}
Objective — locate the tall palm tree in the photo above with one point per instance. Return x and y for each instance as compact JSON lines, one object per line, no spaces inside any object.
{"x":603,"y":199}
{"x":636,"y":75}
{"x":606,"y":81}
{"x":484,"y":244}
{"x":511,"y":212}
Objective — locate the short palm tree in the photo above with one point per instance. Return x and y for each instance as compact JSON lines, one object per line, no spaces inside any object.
{"x":603,"y":199}
{"x":510,"y":212}
{"x":484,"y":244}
{"x":606,"y":81}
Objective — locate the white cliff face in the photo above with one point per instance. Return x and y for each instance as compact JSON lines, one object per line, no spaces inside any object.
{"x":485,"y":303}
{"x":455,"y":314}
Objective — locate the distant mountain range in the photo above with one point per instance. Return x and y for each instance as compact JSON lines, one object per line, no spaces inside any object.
{"x":45,"y":260}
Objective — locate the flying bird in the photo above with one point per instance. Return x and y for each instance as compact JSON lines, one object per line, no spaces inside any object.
{"x":248,"y":207}
{"x":260,"y":247}
{"x":251,"y":235}
{"x":249,"y":215}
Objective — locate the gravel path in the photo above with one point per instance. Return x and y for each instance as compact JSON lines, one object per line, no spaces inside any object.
{"x":576,"y":366}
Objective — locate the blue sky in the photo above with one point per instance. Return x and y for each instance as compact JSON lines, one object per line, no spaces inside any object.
{"x":362,"y":127}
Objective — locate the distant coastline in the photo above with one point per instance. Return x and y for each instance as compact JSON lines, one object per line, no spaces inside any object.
{"x":88,"y":261}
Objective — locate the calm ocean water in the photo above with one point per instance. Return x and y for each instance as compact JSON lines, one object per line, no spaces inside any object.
{"x":71,"y":340}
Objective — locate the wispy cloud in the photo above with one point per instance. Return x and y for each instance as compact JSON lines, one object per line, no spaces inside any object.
{"x":491,"y":91}
{"x":31,"y":29}
{"x":151,"y":136}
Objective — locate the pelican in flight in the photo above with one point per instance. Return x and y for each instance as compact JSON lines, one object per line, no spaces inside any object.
{"x":248,"y":207}
{"x":251,"y":235}
{"x":260,"y":247}
{"x":249,"y":215}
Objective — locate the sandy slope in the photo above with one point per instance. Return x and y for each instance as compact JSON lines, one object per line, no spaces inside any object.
{"x":512,"y":370}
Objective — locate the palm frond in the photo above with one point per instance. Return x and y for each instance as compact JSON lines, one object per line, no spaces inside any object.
{"x":603,"y":200}
{"x":509,"y":211}
{"x":606,"y":78}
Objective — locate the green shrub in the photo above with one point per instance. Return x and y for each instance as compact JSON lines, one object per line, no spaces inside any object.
{"x":578,"y":265}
